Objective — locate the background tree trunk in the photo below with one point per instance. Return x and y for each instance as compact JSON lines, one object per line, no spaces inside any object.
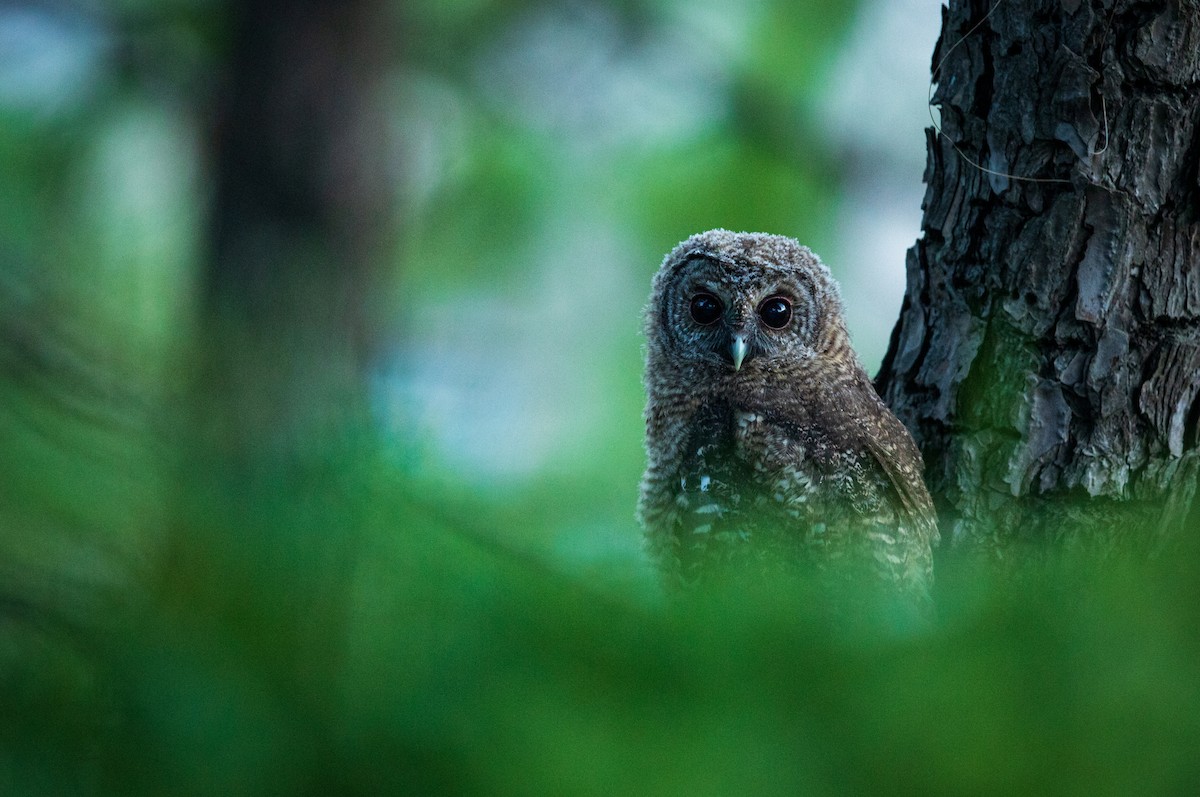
{"x":300,"y":204}
{"x":1047,"y":356}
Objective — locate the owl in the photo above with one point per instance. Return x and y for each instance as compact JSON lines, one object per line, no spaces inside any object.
{"x":766,"y":442}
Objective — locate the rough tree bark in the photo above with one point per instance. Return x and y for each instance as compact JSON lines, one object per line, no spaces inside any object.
{"x":1047,"y":357}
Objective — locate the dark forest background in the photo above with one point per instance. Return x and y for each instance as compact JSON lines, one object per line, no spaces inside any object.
{"x":320,"y":423}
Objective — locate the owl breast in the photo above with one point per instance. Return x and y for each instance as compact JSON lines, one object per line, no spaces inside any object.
{"x":751,"y":488}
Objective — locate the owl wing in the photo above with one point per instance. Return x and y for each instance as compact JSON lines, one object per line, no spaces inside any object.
{"x":859,"y":469}
{"x":853,"y":419}
{"x":891,"y":445}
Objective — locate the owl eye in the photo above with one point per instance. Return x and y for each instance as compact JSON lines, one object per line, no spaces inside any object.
{"x":775,"y":312}
{"x":705,"y":308}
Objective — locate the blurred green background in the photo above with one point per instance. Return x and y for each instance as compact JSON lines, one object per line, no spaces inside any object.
{"x":329,"y":488}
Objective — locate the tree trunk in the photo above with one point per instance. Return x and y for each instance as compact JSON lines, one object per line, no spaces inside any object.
{"x":301,"y":198}
{"x":300,"y":203}
{"x":1047,"y":356}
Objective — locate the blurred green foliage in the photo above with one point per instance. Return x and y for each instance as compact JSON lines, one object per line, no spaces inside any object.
{"x":367,"y":614}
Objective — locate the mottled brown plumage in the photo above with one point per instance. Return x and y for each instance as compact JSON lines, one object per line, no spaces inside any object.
{"x":766,"y":440}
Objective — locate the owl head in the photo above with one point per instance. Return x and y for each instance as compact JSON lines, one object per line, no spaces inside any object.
{"x":725,"y":302}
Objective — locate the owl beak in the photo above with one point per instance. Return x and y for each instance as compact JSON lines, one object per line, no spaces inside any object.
{"x":739,"y":350}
